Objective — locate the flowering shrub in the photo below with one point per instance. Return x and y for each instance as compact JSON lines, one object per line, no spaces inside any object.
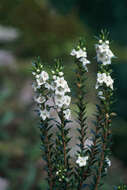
{"x":53,"y":95}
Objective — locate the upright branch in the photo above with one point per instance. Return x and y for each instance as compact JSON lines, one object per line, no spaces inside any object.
{"x":62,"y":102}
{"x":41,"y":89}
{"x":81,"y":62}
{"x":105,"y":93}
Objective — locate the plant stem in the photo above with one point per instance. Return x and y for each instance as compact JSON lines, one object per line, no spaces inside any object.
{"x":49,"y":164}
{"x":64,"y":145}
{"x":92,"y":155}
{"x":102,"y":155}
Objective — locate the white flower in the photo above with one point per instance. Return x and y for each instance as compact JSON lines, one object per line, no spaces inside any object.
{"x":44,"y":114}
{"x":67,"y":114}
{"x":85,"y":67}
{"x":59,"y":101}
{"x":81,"y":161}
{"x":60,"y":91}
{"x":43,"y":77}
{"x":100,"y":41}
{"x":52,"y":86}
{"x":108,"y":162}
{"x":48,"y":86}
{"x":101,"y":77}
{"x":73,"y":52}
{"x":84,"y":61}
{"x":104,"y":54}
{"x":33,"y":73}
{"x":109,"y":82}
{"x":96,"y":86}
{"x":79,"y":53}
{"x":37,"y":76}
{"x":61,"y":74}
{"x":67,"y":89}
{"x":88,"y":143}
{"x":40,"y":99}
{"x":60,"y":82}
{"x":100,"y":95}
{"x":67,"y":100}
{"x":54,"y":77}
{"x":107,"y":41}
{"x":35,"y":86}
{"x":38,"y":70}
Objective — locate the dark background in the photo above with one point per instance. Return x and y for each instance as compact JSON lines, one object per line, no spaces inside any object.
{"x":29,"y":28}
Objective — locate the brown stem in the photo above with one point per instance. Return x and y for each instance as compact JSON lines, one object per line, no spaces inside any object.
{"x":49,"y":164}
{"x":92,"y":154}
{"x":102,"y":156}
{"x":63,"y":140}
{"x":64,"y":145}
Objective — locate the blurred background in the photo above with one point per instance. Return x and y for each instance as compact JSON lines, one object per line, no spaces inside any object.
{"x":49,"y":28}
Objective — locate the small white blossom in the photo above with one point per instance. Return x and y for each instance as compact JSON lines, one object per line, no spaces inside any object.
{"x":44,"y":114}
{"x":59,"y":101}
{"x":67,"y":114}
{"x":40,"y":99}
{"x":38,"y":70}
{"x":67,"y":100}
{"x":101,"y":77}
{"x":100,"y":95}
{"x":59,"y":91}
{"x":84,"y":63}
{"x":54,"y":77}
{"x":109,"y":82}
{"x":33,"y":73}
{"x":60,"y":82}
{"x":43,"y":77}
{"x":47,"y":85}
{"x":100,"y":41}
{"x":37,"y":76}
{"x":79,"y":53}
{"x":35,"y":86}
{"x":108,"y":162}
{"x":82,"y":161}
{"x":61,"y":74}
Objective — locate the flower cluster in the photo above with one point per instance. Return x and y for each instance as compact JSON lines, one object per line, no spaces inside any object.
{"x":103,"y":78}
{"x":81,"y":54}
{"x":60,"y":90}
{"x":61,"y":174}
{"x":104,"y":54}
{"x":41,"y":81}
{"x":57,"y":90}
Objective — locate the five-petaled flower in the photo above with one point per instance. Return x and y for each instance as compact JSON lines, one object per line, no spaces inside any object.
{"x":82,"y":161}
